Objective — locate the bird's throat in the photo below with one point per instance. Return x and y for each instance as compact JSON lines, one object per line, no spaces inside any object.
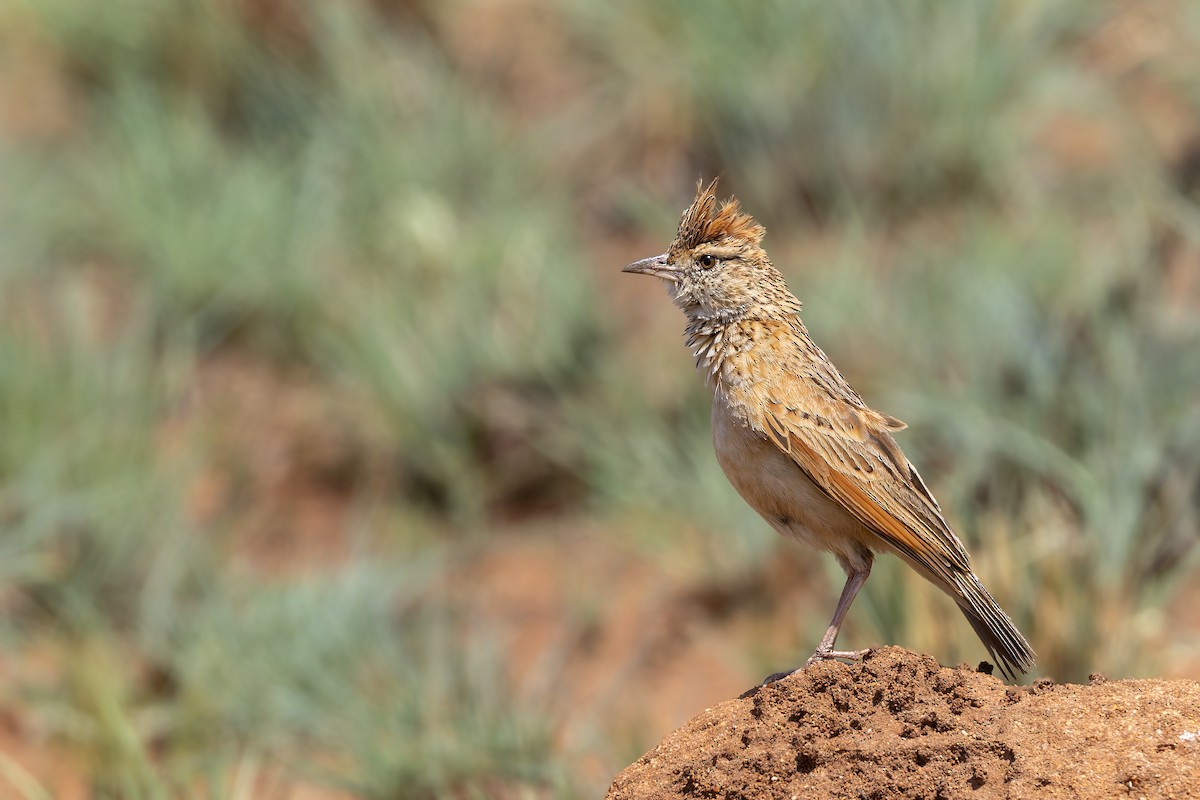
{"x":708,"y":340}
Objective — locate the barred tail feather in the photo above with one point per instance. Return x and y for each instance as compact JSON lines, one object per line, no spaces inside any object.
{"x":995,"y":629}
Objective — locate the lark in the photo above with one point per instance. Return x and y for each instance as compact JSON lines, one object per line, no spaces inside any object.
{"x":796,"y":441}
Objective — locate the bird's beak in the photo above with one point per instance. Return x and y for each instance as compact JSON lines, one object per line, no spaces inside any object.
{"x":656,"y":266}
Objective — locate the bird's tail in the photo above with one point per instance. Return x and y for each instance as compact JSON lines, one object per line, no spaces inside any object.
{"x":997,"y":631}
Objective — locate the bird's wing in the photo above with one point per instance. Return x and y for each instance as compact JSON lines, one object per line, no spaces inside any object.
{"x":813,"y":415}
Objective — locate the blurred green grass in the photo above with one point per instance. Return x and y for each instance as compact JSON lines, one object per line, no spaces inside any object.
{"x":386,"y":199}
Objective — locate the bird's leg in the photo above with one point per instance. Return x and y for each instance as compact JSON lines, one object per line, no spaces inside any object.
{"x":856,"y":576}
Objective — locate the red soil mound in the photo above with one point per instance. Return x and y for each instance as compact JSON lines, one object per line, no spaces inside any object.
{"x":897,"y":725}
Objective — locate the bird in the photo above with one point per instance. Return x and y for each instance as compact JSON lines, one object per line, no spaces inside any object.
{"x":794,"y":439}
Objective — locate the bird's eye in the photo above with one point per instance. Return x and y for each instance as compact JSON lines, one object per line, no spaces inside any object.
{"x":707,"y":260}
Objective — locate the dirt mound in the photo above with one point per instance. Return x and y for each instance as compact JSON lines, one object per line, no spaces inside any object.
{"x":897,"y":725}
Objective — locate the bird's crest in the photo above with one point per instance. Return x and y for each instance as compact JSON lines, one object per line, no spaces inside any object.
{"x":704,"y":222}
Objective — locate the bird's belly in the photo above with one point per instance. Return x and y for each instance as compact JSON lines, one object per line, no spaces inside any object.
{"x":781,"y":492}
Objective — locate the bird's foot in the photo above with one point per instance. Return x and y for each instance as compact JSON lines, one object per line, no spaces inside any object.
{"x":830,"y":655}
{"x":819,"y":655}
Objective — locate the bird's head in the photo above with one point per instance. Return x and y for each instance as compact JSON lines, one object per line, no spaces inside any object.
{"x":715,"y":269}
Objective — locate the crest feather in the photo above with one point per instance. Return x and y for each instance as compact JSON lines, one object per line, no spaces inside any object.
{"x":703,"y":222}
